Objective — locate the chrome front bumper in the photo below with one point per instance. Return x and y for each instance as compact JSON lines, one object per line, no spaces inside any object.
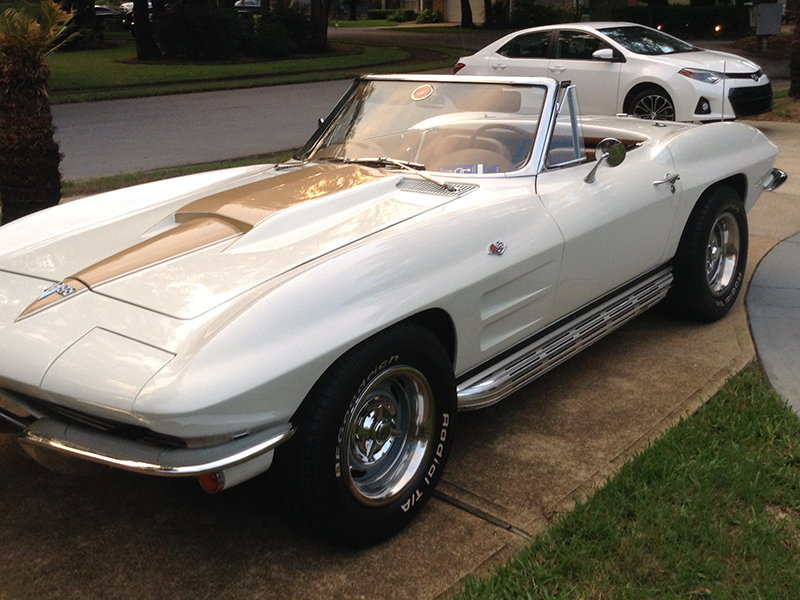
{"x":139,"y":456}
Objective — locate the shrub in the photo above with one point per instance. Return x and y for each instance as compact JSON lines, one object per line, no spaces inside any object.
{"x":401,"y":15}
{"x":198,"y":32}
{"x":429,"y":16}
{"x":379,"y":14}
{"x":529,"y":13}
{"x":270,"y":39}
{"x":686,"y":21}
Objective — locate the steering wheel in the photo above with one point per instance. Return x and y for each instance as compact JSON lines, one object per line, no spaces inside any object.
{"x":499,"y":126}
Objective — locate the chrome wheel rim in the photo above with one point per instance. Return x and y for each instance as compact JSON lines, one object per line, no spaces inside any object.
{"x":387,"y":435}
{"x":722,"y":253}
{"x":654,"y":107}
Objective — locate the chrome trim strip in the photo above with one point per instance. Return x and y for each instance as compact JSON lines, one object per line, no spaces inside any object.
{"x":775,"y":179}
{"x":15,"y":422}
{"x":545,"y":353}
{"x":149,"y":459}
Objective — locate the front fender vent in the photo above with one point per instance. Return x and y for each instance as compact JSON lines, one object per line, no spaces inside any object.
{"x":423,"y":186}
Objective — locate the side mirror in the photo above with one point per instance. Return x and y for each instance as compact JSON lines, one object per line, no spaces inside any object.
{"x":603,"y":54}
{"x":610,"y":150}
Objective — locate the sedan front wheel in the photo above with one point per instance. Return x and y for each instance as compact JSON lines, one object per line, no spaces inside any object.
{"x":653,"y":103}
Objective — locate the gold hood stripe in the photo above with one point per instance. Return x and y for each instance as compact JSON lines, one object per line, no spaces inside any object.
{"x":252,"y":203}
{"x":211,"y":220}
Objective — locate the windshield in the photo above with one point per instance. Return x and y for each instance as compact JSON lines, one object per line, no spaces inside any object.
{"x":451,"y":127}
{"x":643,"y":40}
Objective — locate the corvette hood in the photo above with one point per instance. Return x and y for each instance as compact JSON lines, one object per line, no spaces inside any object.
{"x":710,"y":60}
{"x":215,"y":248}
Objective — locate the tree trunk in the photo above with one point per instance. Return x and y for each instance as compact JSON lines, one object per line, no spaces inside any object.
{"x":146,"y":47}
{"x":30,"y":179}
{"x":319,"y":25}
{"x":794,"y":53}
{"x":487,"y":8}
{"x":466,"y":15}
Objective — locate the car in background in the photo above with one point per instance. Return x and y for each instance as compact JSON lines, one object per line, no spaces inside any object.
{"x":632,"y":69}
{"x":247,"y":7}
{"x":438,"y":243}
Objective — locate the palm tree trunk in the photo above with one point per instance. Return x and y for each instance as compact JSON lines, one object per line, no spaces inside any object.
{"x":30,"y":179}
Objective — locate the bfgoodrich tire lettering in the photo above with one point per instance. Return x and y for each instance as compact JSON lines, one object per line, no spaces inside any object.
{"x":710,"y":263}
{"x":373,"y":437}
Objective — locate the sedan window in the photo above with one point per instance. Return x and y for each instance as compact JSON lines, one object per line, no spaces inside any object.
{"x":530,"y":45}
{"x":643,"y":40}
{"x":578,"y":45}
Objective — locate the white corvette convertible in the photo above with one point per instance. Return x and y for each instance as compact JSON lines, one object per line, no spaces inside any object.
{"x":437,"y":244}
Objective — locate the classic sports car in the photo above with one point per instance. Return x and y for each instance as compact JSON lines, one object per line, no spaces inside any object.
{"x":437,"y":244}
{"x":630,"y":68}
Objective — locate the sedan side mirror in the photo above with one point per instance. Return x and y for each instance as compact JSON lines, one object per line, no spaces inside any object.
{"x":610,"y":150}
{"x":603,"y":54}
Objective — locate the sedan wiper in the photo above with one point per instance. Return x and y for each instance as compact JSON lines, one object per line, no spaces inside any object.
{"x":402,"y":165}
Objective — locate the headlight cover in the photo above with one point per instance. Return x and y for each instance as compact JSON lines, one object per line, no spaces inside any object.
{"x":704,"y":76}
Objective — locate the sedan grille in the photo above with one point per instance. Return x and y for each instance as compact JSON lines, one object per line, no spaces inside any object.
{"x":748,"y":101}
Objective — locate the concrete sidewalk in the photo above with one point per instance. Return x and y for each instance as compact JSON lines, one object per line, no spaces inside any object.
{"x":773,"y":303}
{"x":100,"y":533}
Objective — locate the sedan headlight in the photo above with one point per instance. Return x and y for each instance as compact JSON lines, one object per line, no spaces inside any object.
{"x":704,"y":76}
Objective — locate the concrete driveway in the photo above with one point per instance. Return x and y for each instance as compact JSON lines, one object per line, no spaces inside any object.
{"x":97,"y":533}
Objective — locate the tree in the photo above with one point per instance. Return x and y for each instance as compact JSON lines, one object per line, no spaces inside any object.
{"x":319,"y":25}
{"x":146,"y":47}
{"x":466,"y":15}
{"x":30,"y":179}
{"x":794,"y":52}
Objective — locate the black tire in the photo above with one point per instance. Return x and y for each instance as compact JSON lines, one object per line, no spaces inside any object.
{"x":373,"y":437}
{"x":711,"y":260}
{"x":653,"y":103}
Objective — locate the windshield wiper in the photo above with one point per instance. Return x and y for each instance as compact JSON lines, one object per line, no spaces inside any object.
{"x":402,"y":165}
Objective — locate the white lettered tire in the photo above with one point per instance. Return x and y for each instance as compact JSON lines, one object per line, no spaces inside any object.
{"x":373,"y":437}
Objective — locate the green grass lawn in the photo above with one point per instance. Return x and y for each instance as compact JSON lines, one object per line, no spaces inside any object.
{"x":114,"y":73}
{"x":711,"y":510}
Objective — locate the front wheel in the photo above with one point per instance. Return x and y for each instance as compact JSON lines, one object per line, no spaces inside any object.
{"x":653,"y":103}
{"x":710,"y":264}
{"x":372,"y":437}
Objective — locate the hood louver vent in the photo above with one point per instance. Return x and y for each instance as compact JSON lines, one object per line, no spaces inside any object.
{"x":423,"y":186}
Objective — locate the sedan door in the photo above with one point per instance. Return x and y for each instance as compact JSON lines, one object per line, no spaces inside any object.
{"x":597,"y":79}
{"x":526,"y":55}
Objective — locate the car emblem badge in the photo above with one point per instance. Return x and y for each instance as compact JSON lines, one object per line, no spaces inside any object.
{"x":63,"y":289}
{"x":497,"y":248}
{"x":422,"y":92}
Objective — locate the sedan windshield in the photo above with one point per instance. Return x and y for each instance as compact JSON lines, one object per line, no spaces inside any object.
{"x":454,"y":127}
{"x":643,"y":40}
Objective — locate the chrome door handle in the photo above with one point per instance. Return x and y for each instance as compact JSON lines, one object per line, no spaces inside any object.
{"x":670,"y":179}
{"x":557,"y":69}
{"x":498,"y":67}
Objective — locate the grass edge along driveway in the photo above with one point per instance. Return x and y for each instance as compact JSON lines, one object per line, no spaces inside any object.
{"x":709,"y":510}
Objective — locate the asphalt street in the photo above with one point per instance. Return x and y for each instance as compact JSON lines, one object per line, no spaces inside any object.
{"x":123,"y":136}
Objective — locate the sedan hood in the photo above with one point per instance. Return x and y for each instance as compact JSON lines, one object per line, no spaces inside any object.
{"x":710,"y":60}
{"x":221,"y":245}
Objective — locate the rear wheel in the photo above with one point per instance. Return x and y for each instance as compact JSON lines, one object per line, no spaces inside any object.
{"x":372,"y":438}
{"x":710,"y":263}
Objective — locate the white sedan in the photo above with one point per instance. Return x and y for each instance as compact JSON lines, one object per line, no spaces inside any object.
{"x":632,"y":69}
{"x":437,"y":244}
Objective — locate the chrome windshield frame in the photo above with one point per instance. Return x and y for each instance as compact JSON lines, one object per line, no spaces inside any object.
{"x":546,"y":120}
